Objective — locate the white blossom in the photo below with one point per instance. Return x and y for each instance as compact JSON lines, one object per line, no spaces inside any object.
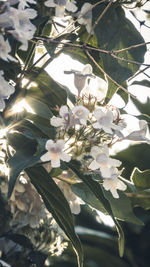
{"x":102,"y":161}
{"x":85,"y":17}
{"x":80,"y":77}
{"x":5,"y":49}
{"x":113,"y":183}
{"x":61,"y":5}
{"x":105,"y":121}
{"x":80,"y":114}
{"x":65,"y":120}
{"x":55,"y":153}
{"x":5,"y":90}
{"x":139,"y":135}
{"x":19,"y":20}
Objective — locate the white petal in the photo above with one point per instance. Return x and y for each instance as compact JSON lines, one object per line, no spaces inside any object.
{"x":71,"y":7}
{"x":121,"y":186}
{"x":46,"y":157}
{"x":49,"y":144}
{"x":65,"y":157}
{"x":114,"y":193}
{"x":110,"y":115}
{"x":60,"y":144}
{"x":63,"y":110}
{"x":96,"y":125}
{"x":59,"y":11}
{"x":98,"y":113}
{"x":95,"y":151}
{"x":106,"y":172}
{"x":114,"y":162}
{"x":94,"y":165}
{"x":56,"y":122}
{"x":87,"y":69}
{"x":143,"y":125}
{"x":50,"y":3}
{"x":107,"y":130}
{"x":55,"y":163}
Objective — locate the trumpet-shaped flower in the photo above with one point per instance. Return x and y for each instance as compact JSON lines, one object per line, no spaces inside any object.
{"x":55,"y":153}
{"x":80,"y":77}
{"x":85,"y":16}
{"x":113,"y":183}
{"x":105,"y":121}
{"x":61,"y":5}
{"x":80,"y":114}
{"x":139,"y":135}
{"x":5,"y":90}
{"x":66,"y":120}
{"x":24,"y":3}
{"x":102,"y":161}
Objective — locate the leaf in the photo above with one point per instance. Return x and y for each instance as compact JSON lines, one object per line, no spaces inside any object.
{"x":47,"y":90}
{"x":121,"y":207}
{"x":83,"y":191}
{"x":39,"y":107}
{"x":57,"y":205}
{"x":141,"y":179}
{"x":143,"y":108}
{"x":141,"y":199}
{"x":93,"y":185}
{"x":114,"y":32}
{"x":121,"y":239}
{"x":23,"y":158}
{"x":143,"y":83}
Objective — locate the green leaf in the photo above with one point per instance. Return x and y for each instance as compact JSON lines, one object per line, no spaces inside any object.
{"x":23,"y":158}
{"x":57,"y":205}
{"x":141,"y":199}
{"x":141,"y":179}
{"x":121,"y":207}
{"x":114,"y":32}
{"x":143,"y":83}
{"x":92,"y":185}
{"x":39,"y":107}
{"x":47,"y":90}
{"x":121,"y":239}
{"x":142,"y":107}
{"x":83,"y":191}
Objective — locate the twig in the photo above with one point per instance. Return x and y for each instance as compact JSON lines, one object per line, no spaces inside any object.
{"x":130,"y":47}
{"x":137,"y":73}
{"x":98,"y":20}
{"x":109,"y":77}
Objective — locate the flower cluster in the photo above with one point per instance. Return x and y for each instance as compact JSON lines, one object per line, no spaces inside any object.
{"x":86,"y":132}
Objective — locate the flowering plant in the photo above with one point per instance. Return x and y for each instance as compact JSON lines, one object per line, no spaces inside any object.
{"x":59,"y":146}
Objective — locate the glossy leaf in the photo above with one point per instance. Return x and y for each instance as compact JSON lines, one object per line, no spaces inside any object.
{"x":141,"y":179}
{"x":56,"y":204}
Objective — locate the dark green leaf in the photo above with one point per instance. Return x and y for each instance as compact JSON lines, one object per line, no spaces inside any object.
{"x":143,"y":83}
{"x":56,"y":204}
{"x":114,"y":32}
{"x":83,"y":191}
{"x":23,"y":158}
{"x":141,"y":179}
{"x":121,"y":207}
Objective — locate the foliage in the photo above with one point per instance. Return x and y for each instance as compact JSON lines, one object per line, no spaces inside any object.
{"x":55,"y":153}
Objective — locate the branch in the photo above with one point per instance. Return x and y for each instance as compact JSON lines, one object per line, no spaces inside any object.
{"x":107,"y":75}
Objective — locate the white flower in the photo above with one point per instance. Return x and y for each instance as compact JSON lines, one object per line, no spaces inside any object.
{"x":81,"y":114}
{"x":102,"y":161}
{"x":5,"y":49}
{"x":61,"y":5}
{"x":139,"y":135}
{"x":105,"y":121}
{"x":66,"y":119}
{"x":5,"y":90}
{"x":19,"y":20}
{"x":113,"y":183}
{"x":85,"y":17}
{"x":80,"y":77}
{"x":55,"y":153}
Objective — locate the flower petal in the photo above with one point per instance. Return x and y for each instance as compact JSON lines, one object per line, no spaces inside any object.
{"x":65,"y":157}
{"x":56,"y":122}
{"x":94,"y":165}
{"x":71,"y":7}
{"x":50,"y":3}
{"x":49,"y":144}
{"x":63,"y":110}
{"x":46,"y":157}
{"x":55,"y":163}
